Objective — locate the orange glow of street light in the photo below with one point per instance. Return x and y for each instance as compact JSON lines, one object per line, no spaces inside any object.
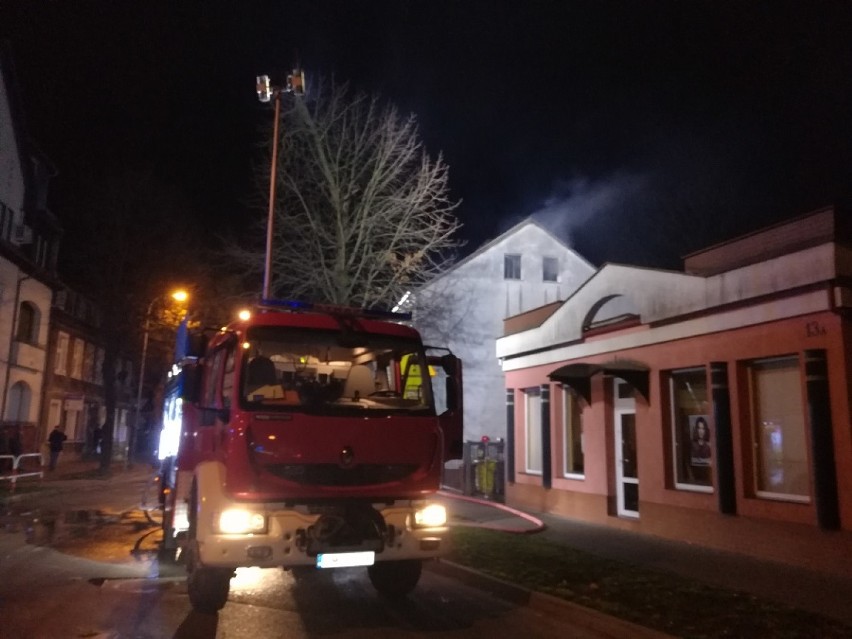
{"x":178,"y":295}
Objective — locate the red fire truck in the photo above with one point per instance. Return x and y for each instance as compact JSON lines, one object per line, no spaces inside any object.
{"x":308,"y":436}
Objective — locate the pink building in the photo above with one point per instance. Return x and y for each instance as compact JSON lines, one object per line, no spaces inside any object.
{"x":710,"y":405}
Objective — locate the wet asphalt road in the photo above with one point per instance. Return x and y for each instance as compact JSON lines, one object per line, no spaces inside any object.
{"x":48,"y":594}
{"x":71,"y":602}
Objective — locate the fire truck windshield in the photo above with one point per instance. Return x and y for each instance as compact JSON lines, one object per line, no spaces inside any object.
{"x":330,"y":371}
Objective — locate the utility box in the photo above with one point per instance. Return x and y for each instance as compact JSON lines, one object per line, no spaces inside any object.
{"x":484,"y":469}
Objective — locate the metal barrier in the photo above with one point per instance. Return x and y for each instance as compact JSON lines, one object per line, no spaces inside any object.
{"x":17,"y":471}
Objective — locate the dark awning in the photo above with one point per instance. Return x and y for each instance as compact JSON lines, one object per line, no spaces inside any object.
{"x":578,"y":376}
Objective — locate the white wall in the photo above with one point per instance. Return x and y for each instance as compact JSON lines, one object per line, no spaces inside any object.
{"x":11,"y":179}
{"x":27,"y":360}
{"x":464,"y":311}
{"x":15,"y":285}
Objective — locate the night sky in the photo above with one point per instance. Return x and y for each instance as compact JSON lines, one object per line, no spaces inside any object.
{"x":628,"y":128}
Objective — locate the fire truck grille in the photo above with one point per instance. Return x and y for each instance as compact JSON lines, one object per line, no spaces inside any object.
{"x":334,"y":475}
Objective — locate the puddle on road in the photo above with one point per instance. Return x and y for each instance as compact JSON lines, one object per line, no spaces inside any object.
{"x":128,"y":536}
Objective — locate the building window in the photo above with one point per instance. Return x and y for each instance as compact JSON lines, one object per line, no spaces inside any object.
{"x":54,"y":413}
{"x":572,"y":420}
{"x":126,"y":372}
{"x":60,"y":362}
{"x":550,"y":269}
{"x":533,"y":430}
{"x":40,"y":251}
{"x":18,"y":407}
{"x":77,"y":359}
{"x":89,"y":363}
{"x":6,"y":219}
{"x":99,"y":367}
{"x":692,"y":446}
{"x":778,"y":430}
{"x":512,"y":267}
{"x":75,"y":427}
{"x":27,"y":324}
{"x":121,"y":425}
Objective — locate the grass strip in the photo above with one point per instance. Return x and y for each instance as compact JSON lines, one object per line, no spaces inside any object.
{"x":665,"y":602}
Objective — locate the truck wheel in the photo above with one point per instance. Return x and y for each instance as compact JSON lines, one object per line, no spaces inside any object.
{"x":395,"y":579}
{"x":208,"y":588}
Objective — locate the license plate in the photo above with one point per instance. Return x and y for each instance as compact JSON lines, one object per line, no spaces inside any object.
{"x":345,"y":559}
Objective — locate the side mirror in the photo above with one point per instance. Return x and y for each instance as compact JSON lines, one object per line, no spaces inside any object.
{"x":196,"y":344}
{"x":450,"y":364}
{"x":190,"y":382}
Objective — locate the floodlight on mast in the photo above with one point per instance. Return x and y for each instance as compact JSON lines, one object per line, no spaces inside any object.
{"x":266,"y":92}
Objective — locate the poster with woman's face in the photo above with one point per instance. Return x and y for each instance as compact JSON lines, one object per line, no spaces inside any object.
{"x":699,"y":429}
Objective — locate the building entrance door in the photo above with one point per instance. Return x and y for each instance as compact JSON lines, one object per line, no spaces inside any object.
{"x":626,"y":463}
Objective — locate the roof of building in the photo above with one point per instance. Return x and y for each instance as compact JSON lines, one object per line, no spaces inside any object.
{"x":484,"y":248}
{"x":796,"y":257}
{"x":828,"y":224}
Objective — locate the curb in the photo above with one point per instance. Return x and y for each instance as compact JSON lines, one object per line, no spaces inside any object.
{"x":497,"y":587}
{"x":594,"y":620}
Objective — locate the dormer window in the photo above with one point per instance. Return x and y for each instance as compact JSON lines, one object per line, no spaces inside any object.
{"x":550,"y":269}
{"x":512,"y":267}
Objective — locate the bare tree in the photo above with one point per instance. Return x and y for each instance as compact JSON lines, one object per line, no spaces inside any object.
{"x":362,"y":213}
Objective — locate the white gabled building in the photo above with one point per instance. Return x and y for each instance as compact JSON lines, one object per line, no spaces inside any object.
{"x":29,"y":237}
{"x":523,"y":269}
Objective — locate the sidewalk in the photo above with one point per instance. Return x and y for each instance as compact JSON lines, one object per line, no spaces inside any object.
{"x":72,"y":474}
{"x":69,"y":468}
{"x":814,"y":591}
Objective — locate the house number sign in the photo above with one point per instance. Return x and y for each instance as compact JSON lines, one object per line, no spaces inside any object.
{"x":814,"y":329}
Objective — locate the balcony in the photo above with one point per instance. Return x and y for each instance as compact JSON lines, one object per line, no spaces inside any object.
{"x":28,"y":356}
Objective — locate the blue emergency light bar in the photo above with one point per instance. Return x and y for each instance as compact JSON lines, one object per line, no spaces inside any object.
{"x":333,"y":309}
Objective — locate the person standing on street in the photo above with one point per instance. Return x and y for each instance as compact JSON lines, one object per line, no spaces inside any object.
{"x":55,"y":440}
{"x":97,"y":439}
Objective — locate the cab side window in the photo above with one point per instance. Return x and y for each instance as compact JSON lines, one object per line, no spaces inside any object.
{"x":228,"y":378}
{"x":212,"y":397}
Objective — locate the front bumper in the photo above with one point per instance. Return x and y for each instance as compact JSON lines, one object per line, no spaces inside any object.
{"x":294,"y":537}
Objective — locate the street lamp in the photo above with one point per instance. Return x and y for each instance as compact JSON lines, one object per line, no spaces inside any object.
{"x":179,"y":296}
{"x":265,"y":93}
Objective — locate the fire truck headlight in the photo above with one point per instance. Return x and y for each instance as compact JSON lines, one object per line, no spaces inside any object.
{"x":432,"y":516}
{"x":237,"y":521}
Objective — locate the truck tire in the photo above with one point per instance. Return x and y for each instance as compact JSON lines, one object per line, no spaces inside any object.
{"x":395,"y":579}
{"x":207,"y":588}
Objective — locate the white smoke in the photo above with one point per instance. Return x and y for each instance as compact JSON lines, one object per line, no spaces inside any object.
{"x":575,"y":202}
